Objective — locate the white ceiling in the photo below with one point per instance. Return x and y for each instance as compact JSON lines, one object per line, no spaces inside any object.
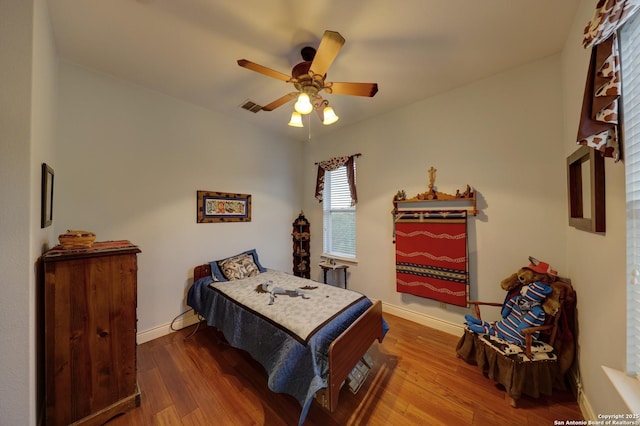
{"x":413,"y":49}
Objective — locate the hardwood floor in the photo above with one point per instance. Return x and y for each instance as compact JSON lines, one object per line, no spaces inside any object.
{"x":417,"y":379}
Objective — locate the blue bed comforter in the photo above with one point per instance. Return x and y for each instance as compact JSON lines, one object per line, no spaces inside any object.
{"x":294,"y":368}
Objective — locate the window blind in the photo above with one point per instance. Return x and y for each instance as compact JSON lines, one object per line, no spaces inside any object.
{"x":630,"y":69}
{"x":339,"y":216}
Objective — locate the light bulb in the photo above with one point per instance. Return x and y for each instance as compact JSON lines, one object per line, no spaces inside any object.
{"x":330,"y":117}
{"x":296,"y":119}
{"x":303,"y":105}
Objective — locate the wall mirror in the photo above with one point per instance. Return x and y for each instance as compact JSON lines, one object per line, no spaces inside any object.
{"x":585,"y":178}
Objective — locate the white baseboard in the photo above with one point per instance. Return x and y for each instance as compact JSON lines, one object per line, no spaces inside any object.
{"x":184,"y":321}
{"x":426,"y":320}
{"x":575,"y":385}
{"x":585,"y":406}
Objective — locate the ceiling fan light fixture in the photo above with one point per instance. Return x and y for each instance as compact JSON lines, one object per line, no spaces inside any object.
{"x":330,"y":116}
{"x":296,"y":119}
{"x":303,"y":104}
{"x":309,"y":79}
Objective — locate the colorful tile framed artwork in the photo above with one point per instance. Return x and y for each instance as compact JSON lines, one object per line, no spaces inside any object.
{"x":223,"y":207}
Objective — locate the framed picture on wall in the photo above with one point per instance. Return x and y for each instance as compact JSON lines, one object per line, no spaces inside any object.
{"x":223,"y":207}
{"x":46,"y":214}
{"x":586,"y":189}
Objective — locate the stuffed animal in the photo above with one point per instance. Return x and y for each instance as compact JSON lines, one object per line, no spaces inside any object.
{"x":537,"y":271}
{"x":273,"y":291}
{"x":521,"y":311}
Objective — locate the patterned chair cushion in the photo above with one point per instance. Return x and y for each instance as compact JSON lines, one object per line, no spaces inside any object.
{"x":540,"y":351}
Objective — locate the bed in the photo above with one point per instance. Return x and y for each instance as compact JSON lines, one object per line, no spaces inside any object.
{"x":256,"y":311}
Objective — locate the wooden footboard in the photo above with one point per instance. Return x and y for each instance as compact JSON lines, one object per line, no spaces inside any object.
{"x":348,"y":349}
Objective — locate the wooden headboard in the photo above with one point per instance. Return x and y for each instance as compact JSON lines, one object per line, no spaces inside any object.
{"x":201,"y":271}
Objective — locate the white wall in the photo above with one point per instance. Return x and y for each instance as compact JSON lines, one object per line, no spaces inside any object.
{"x":130,"y":163}
{"x":596,"y":263}
{"x":43,"y":119}
{"x":502,"y":136}
{"x":26,"y":140}
{"x":16,"y":393}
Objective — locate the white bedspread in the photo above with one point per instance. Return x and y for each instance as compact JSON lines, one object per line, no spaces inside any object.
{"x":288,"y":301}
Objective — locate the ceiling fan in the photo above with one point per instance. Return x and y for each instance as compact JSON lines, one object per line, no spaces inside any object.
{"x":308,"y":77}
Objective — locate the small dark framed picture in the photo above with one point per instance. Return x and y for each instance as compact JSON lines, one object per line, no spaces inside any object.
{"x":46,"y":215}
{"x":223,"y":207}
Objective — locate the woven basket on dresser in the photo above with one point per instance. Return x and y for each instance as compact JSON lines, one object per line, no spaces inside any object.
{"x":74,"y":239}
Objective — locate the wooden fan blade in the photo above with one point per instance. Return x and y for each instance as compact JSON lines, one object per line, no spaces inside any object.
{"x":353,"y":89}
{"x":263,"y":70}
{"x":330,"y":45}
{"x":280,"y":101}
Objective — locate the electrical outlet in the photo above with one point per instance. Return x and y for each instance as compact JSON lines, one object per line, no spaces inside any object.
{"x":443,"y":305}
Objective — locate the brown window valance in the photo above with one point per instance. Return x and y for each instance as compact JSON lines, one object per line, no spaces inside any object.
{"x":332,"y":164}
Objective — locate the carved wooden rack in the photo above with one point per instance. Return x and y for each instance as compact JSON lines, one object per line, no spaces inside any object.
{"x":435,"y":201}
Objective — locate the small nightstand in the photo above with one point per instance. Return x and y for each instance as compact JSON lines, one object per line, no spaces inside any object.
{"x":329,"y":267}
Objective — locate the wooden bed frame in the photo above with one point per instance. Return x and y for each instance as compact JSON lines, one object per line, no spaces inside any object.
{"x":344,"y":352}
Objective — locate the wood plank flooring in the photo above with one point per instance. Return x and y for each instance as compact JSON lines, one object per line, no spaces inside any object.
{"x":417,"y":380}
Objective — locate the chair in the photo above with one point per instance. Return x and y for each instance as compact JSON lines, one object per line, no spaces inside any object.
{"x":538,"y":366}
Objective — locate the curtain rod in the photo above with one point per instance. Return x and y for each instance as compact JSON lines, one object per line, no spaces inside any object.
{"x":354,"y":155}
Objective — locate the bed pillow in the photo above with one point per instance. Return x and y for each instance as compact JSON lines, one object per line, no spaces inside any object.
{"x":218,"y":275}
{"x":239,"y":267}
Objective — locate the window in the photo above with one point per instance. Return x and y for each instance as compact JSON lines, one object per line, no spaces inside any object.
{"x":630,"y":69}
{"x":338,"y":216}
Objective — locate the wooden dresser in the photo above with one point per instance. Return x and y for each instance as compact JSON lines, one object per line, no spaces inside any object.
{"x":90,"y":332}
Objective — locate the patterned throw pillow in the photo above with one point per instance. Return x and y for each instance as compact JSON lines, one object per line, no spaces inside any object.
{"x":218,"y":275}
{"x":239,"y":267}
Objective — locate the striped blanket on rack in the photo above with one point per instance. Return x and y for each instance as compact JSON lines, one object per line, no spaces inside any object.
{"x":432,"y":256}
